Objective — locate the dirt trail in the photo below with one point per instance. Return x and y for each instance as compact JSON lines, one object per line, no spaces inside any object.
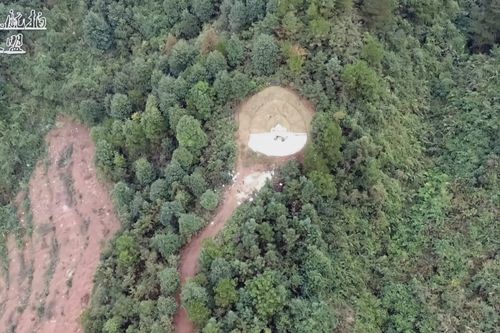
{"x":271,"y":106}
{"x":51,"y":277}
{"x":191,"y":253}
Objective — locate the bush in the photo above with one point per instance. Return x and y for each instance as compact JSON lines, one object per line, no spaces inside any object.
{"x":209,"y":200}
{"x":265,"y":55}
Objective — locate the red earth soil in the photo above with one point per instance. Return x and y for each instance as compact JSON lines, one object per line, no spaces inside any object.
{"x":51,"y":273}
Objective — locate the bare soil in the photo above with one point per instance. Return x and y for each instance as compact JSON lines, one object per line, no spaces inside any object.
{"x":51,"y":273}
{"x":258,"y":114}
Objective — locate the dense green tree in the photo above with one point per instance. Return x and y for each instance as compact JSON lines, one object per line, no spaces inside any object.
{"x":194,"y":299}
{"x":189,"y":26}
{"x":91,"y":111}
{"x":159,"y":190}
{"x":166,"y":244}
{"x":121,"y":108}
{"x":361,"y":81}
{"x":237,"y":16}
{"x":378,"y":12}
{"x":267,"y":295}
{"x":215,"y":63}
{"x":144,"y":171}
{"x":190,"y":134}
{"x":169,"y":281}
{"x":184,"y":157}
{"x":182,"y":56}
{"x":234,"y":50}
{"x":169,"y":211}
{"x":98,"y":34}
{"x":128,"y":250}
{"x":152,"y":121}
{"x":209,"y":200}
{"x":225,"y":293}
{"x":200,"y":100}
{"x":485,"y":26}
{"x":265,"y":55}
{"x":189,"y":225}
{"x":203,"y":9}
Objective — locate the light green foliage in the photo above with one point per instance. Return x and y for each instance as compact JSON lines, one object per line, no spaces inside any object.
{"x":194,"y":299}
{"x":361,"y":81}
{"x":209,"y":200}
{"x":200,"y":100}
{"x":267,"y":295}
{"x":189,"y":225}
{"x":144,"y":171}
{"x":152,"y":121}
{"x":265,"y":55}
{"x":190,"y":134}
{"x":184,"y":157}
{"x":169,"y":281}
{"x":225,"y":293}
{"x":128,"y":250}
{"x":211,"y":327}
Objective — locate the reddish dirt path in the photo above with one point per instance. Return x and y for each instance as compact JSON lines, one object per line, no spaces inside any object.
{"x":191,"y":253}
{"x":50,"y":279}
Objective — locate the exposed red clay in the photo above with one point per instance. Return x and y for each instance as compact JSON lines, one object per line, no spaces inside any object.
{"x":51,"y":276}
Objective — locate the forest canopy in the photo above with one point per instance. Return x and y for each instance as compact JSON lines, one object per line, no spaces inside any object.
{"x":389,"y":225}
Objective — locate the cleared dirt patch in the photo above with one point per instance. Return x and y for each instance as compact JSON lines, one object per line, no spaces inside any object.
{"x":51,"y":274}
{"x":260,"y":113}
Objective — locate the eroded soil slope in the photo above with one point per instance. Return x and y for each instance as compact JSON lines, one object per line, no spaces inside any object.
{"x":70,"y":216}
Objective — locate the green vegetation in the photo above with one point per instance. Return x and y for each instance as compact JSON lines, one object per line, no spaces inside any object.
{"x":390,"y":225}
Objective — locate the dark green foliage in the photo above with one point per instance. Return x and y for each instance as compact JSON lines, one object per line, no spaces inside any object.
{"x":120,"y":106}
{"x":182,"y":55}
{"x":215,"y":63}
{"x":485,"y":26}
{"x":91,"y":111}
{"x":234,"y":49}
{"x":237,"y":16}
{"x":265,"y":55}
{"x":378,"y":12}
{"x":203,"y":9}
{"x":98,"y":33}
